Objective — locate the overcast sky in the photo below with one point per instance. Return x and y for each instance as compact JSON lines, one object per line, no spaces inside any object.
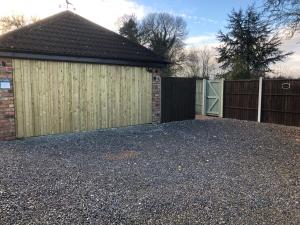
{"x":204,"y":17}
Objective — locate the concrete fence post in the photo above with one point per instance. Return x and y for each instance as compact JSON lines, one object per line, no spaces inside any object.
{"x":259,"y":99}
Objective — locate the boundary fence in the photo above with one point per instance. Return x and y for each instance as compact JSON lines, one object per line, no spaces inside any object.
{"x":263,"y":100}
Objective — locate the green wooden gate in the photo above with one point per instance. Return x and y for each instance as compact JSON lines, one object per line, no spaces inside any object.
{"x":213,"y":97}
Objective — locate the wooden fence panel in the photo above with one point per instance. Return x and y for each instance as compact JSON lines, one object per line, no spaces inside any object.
{"x":281,"y":102}
{"x":241,"y":99}
{"x":58,"y":97}
{"x":177,"y":99}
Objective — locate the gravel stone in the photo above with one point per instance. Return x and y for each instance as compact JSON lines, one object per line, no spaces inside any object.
{"x":190,"y":172}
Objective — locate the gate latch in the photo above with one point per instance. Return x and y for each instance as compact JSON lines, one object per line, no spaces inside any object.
{"x":286,"y":86}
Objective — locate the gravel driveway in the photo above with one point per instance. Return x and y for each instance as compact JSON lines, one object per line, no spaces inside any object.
{"x":190,"y":172}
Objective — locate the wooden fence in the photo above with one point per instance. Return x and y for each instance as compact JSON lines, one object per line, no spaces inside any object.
{"x":281,"y":102}
{"x":241,"y":99}
{"x":177,"y":99}
{"x":271,"y":101}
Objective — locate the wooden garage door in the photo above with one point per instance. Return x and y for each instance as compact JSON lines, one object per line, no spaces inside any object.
{"x":58,"y":97}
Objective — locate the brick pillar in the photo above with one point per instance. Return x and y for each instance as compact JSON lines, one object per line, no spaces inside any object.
{"x":7,"y":106}
{"x":156,"y":96}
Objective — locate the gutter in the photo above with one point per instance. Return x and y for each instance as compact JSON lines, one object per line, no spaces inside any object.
{"x":18,"y":55}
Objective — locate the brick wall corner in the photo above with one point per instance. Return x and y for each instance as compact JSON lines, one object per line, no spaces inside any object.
{"x":156,"y":96}
{"x":7,"y":106}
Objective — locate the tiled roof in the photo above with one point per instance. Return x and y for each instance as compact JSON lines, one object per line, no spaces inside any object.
{"x":68,"y":34}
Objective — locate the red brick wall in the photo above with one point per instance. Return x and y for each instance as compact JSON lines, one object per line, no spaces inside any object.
{"x":7,"y":107}
{"x":156,"y":95}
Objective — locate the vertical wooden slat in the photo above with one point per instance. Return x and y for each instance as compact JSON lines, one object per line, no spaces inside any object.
{"x":68,"y":98}
{"x":132,"y":95}
{"x":117,"y":84}
{"x":75,"y":101}
{"x":110,"y":100}
{"x":136,"y":95}
{"x":18,"y":85}
{"x":123,"y":115}
{"x":129,"y":97}
{"x":35,"y":96}
{"x":104,"y":97}
{"x":88,"y":109}
{"x":43,"y":100}
{"x":27,"y":100}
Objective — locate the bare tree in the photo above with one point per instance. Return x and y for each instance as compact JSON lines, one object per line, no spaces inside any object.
{"x":164,"y":34}
{"x":200,"y":62}
{"x":282,"y":71}
{"x":207,"y":65}
{"x":161,"y":32}
{"x":193,"y":62}
{"x":285,"y":12}
{"x":177,"y":58}
{"x":8,"y":23}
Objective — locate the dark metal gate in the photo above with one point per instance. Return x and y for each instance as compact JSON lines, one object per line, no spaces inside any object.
{"x":177,"y":99}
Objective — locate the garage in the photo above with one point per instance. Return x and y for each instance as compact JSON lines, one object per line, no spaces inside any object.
{"x":67,"y":74}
